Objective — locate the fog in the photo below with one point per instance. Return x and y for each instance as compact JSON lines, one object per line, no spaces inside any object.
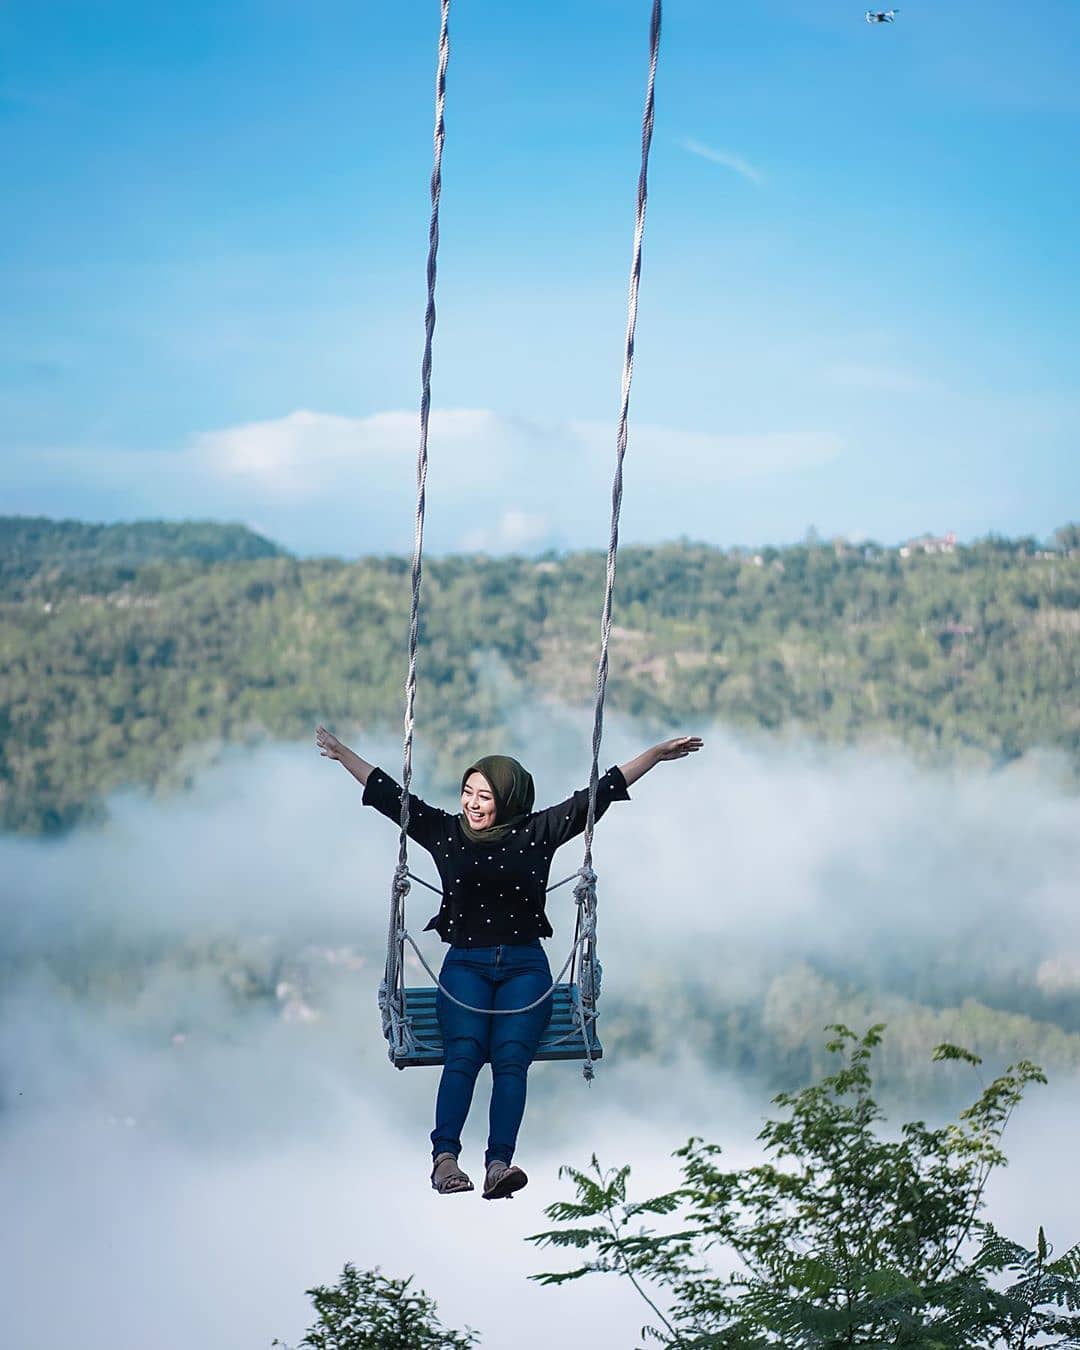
{"x":183,"y":1162}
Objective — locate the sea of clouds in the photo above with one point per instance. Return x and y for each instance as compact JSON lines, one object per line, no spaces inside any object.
{"x":182,"y":1164}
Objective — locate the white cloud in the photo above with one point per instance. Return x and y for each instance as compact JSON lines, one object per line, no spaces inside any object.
{"x":323,"y":483}
{"x":516,"y":532}
{"x":706,"y":459}
{"x":306,"y":453}
{"x":725,"y":157}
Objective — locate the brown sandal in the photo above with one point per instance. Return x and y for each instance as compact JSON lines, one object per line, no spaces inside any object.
{"x":447,"y":1177}
{"x":502,"y":1180}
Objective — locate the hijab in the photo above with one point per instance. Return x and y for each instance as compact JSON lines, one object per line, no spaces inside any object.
{"x":512,"y":787}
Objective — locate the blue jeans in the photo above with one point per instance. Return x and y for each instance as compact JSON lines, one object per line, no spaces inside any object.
{"x":489,"y":977}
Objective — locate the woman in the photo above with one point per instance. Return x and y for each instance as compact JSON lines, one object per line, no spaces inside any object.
{"x":493,"y":859}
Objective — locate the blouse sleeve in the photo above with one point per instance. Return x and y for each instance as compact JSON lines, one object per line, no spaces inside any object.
{"x":426,"y":823}
{"x":558,"y":824}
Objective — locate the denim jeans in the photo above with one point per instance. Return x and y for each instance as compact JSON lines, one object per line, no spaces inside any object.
{"x":489,"y":977}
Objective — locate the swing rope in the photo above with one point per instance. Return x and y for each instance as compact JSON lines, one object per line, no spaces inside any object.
{"x":391,"y":991}
{"x":585,"y":891}
{"x":581,"y":931}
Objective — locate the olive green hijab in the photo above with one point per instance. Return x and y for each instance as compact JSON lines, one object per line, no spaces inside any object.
{"x":512,"y":787}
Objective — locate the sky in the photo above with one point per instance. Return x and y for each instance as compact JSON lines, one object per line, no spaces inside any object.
{"x":193,"y":1162}
{"x":858,"y":292}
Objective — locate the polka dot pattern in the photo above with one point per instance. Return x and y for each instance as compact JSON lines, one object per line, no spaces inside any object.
{"x":493,"y":895}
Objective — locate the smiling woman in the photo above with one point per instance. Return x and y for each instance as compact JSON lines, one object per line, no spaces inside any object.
{"x":478,"y":802}
{"x":492,"y":787}
{"x":495,"y":989}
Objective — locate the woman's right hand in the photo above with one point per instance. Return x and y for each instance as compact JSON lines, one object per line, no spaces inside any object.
{"x":331,"y":748}
{"x":329,"y":745}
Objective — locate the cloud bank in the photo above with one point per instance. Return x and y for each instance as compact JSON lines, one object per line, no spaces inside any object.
{"x":193,"y":1159}
{"x":322,"y":483}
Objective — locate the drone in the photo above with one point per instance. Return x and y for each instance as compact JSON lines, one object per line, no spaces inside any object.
{"x":881,"y":15}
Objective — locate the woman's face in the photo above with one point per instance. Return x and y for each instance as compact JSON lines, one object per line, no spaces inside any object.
{"x":478,"y":802}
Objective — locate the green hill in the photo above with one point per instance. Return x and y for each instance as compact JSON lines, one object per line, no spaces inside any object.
{"x":41,"y":554}
{"x":122,"y":645}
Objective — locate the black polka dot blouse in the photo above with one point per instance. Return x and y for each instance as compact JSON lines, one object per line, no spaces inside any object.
{"x":493,"y":894}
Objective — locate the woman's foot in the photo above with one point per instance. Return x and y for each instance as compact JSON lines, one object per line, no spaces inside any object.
{"x":447,"y":1177}
{"x":502,"y":1180}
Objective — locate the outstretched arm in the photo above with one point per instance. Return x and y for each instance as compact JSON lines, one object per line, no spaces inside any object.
{"x":331,"y":748}
{"x":677,"y":748}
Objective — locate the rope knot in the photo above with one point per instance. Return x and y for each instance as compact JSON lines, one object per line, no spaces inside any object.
{"x":585,"y":890}
{"x":401,"y":884}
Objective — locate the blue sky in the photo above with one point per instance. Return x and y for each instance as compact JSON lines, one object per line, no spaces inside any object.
{"x":858,"y":302}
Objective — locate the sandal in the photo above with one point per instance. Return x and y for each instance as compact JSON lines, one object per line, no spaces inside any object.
{"x":502,"y":1180}
{"x":447,"y":1177}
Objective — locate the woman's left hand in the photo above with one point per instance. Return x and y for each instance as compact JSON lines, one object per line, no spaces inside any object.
{"x":678,"y":747}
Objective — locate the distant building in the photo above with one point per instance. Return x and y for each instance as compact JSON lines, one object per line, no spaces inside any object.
{"x":929,"y":543}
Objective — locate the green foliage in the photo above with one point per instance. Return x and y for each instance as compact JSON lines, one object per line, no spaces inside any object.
{"x":123,"y":646}
{"x":764,"y":1021}
{"x":34,"y":549}
{"x":1044,"y":1299}
{"x":844,"y":1235}
{"x":367,"y":1310}
{"x":1067,"y":537}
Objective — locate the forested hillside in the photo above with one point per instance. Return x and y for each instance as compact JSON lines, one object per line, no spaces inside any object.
{"x":71,"y":552}
{"x":122,"y":645}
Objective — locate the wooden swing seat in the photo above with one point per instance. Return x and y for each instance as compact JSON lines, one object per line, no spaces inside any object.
{"x":561,"y":1040}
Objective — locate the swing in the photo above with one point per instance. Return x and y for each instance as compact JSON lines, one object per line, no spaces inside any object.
{"x":559,"y":1041}
{"x":411,"y":1023}
{"x":409,"y":1014}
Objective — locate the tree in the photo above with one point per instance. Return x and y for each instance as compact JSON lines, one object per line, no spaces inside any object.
{"x":842,"y":1237}
{"x":1067,"y":537}
{"x":367,"y":1310}
{"x":1041,"y":1300}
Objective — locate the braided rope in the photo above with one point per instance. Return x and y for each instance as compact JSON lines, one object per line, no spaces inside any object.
{"x":621,"y":437}
{"x":498,"y":1012}
{"x":392,"y":991}
{"x":590,"y":980}
{"x":425,"y":415}
{"x":565,"y":882}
